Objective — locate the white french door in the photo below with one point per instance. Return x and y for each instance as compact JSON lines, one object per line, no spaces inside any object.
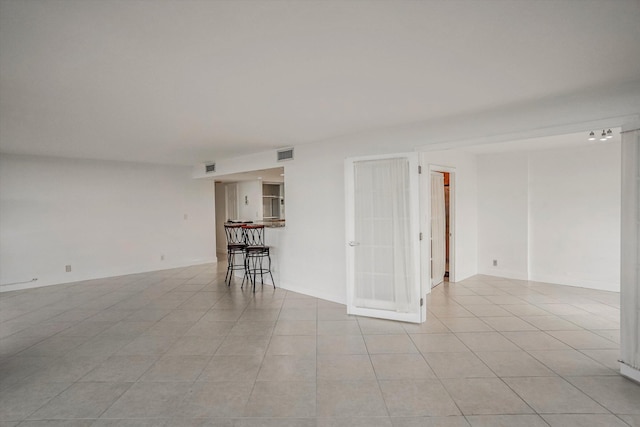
{"x":383,"y":237}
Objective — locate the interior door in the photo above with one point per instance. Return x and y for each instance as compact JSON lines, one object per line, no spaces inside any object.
{"x":383,"y":237}
{"x":438,"y":229}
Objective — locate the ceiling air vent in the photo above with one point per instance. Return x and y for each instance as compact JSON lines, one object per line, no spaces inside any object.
{"x":286,"y":154}
{"x":210,"y":167}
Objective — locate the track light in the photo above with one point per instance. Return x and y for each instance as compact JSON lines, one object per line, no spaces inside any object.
{"x":603,"y":137}
{"x":606,"y":134}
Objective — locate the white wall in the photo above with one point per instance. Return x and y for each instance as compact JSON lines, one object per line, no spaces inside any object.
{"x":250,"y":201}
{"x":575,"y":216}
{"x":103,"y":218}
{"x":503,"y":218}
{"x":552,"y":216}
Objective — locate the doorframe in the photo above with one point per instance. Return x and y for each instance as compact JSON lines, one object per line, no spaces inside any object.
{"x":426,"y":221}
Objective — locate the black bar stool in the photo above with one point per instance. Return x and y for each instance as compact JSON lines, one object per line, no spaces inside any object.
{"x":255,"y":253}
{"x":235,"y":247}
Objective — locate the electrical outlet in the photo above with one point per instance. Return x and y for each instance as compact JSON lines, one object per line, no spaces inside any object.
{"x":495,"y":262}
{"x":162,"y":257}
{"x":67,"y":268}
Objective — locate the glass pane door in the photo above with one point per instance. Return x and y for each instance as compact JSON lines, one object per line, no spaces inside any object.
{"x":383,"y":237}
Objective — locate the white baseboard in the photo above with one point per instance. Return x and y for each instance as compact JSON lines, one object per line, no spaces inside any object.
{"x":507,"y":274}
{"x":629,"y":372}
{"x":576,"y":281}
{"x":313,"y":292}
{"x":40,"y":283}
{"x":557,"y":280}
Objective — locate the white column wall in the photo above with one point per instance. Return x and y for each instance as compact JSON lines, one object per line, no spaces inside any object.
{"x":221,"y":238}
{"x":630,"y":266}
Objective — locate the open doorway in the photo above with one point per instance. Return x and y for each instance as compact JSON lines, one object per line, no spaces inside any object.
{"x":254,"y":196}
{"x":447,"y":218}
{"x":441,"y":202}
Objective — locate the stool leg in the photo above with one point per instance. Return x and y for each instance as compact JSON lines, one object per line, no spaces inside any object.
{"x":273,"y":282}
{"x":245,"y":262}
{"x":255,"y":273}
{"x":227,"y":277}
{"x":261,"y":272}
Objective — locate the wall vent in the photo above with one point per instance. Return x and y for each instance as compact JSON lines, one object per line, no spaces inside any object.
{"x":286,"y":154}
{"x":210,"y":167}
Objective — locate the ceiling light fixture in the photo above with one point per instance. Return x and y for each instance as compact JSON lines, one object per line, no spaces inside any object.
{"x":606,"y":134}
{"x":603,"y":137}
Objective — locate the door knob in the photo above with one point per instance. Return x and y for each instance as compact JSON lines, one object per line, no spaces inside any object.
{"x":352,"y":243}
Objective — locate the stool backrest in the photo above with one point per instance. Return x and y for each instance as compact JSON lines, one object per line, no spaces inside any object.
{"x":253,"y":235}
{"x":234,"y":233}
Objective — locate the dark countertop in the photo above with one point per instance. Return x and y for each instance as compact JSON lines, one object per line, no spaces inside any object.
{"x":268,"y":223}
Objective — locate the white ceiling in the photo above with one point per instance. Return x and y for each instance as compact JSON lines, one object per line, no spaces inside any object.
{"x":188,"y":81}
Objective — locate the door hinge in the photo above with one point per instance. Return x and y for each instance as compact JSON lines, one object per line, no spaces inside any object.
{"x":421,"y":235}
{"x":419,"y":169}
{"x":421,"y":302}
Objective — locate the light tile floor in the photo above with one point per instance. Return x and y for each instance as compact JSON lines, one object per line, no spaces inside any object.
{"x":180,"y":348}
